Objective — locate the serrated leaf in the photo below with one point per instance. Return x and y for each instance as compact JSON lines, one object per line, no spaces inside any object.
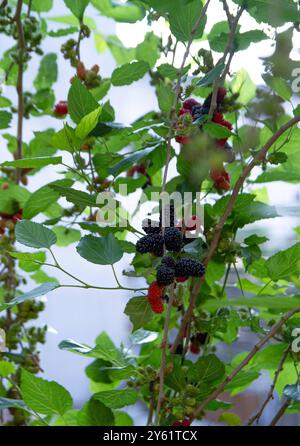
{"x":129,"y":73}
{"x":128,"y":12}
{"x":95,"y":413}
{"x":207,"y":369}
{"x":34,"y":234}
{"x":41,"y":199}
{"x":75,"y":196}
{"x":80,"y":101}
{"x":183,"y":17}
{"x":88,"y":123}
{"x":139,"y":311}
{"x":100,"y":250}
{"x":284,"y":264}
{"x":44,"y":397}
{"x":34,"y":163}
{"x":142,"y":336}
{"x":116,"y":399}
{"x":47,"y":73}
{"x":7,"y":403}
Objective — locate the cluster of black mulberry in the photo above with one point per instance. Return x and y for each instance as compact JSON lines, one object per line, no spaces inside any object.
{"x":183,"y":268}
{"x":172,"y":239}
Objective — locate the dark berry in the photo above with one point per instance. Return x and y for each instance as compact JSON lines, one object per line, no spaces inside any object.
{"x":189,"y":267}
{"x":202,"y":338}
{"x":168,"y":261}
{"x":189,"y":104}
{"x":197,"y":112}
{"x":165,"y":276}
{"x":179,"y":350}
{"x":153,"y":243}
{"x":151,"y":227}
{"x":195,"y":348}
{"x":173,"y":239}
{"x":61,"y":108}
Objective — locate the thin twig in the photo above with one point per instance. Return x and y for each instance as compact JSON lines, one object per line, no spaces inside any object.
{"x":245,"y":361}
{"x":270,"y":395}
{"x":173,"y":116}
{"x":219,"y":227}
{"x":22,"y":49}
{"x":164,"y":347}
{"x":228,"y":50}
{"x":280,"y":413}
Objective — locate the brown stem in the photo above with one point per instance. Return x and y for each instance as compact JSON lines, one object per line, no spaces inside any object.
{"x":22,"y":49}
{"x":173,"y":116}
{"x":272,"y":388}
{"x":228,"y":209}
{"x":233,"y":23}
{"x":280,"y":413}
{"x":164,"y":347}
{"x":245,"y":361}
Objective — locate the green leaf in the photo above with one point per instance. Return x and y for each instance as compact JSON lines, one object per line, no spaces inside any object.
{"x":128,"y":73}
{"x":80,"y":101}
{"x":142,"y":336}
{"x":44,"y":397}
{"x":139,"y":311}
{"x":128,"y":12}
{"x":88,"y":123}
{"x":283,"y":303}
{"x":29,"y":261}
{"x":41,"y":290}
{"x":34,"y":163}
{"x":6,"y":369}
{"x":129,"y":160}
{"x":231,"y":419}
{"x":115,"y":399}
{"x":211,"y":76}
{"x":63,"y":32}
{"x":5,"y":119}
{"x":207,"y":369}
{"x":100,"y":250}
{"x":183,"y":18}
{"x":77,"y":7}
{"x":292,"y":392}
{"x":217,"y":131}
{"x":284,"y":264}
{"x":95,"y":413}
{"x":273,"y":12}
{"x":13,"y":199}
{"x":38,"y":6}
{"x":66,"y":236}
{"x":42,"y":199}
{"x":280,"y":86}
{"x":165,"y":97}
{"x":122,"y":419}
{"x":243,"y":85}
{"x":7,"y":403}
{"x":34,"y":234}
{"x":148,"y":50}
{"x":47,"y":73}
{"x":75,"y":196}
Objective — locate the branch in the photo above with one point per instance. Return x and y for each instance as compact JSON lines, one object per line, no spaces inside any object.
{"x":280,"y":413}
{"x":226,"y":9}
{"x":218,"y":228}
{"x":164,"y":346}
{"x":246,"y":361}
{"x":173,"y":116}
{"x":233,"y":23}
{"x":272,"y":388}
{"x":22,"y":49}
